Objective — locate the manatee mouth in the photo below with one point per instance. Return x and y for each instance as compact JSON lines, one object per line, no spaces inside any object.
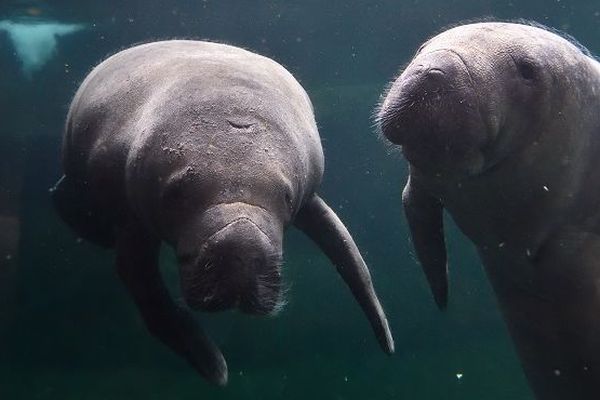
{"x":237,"y":267}
{"x":432,"y":111}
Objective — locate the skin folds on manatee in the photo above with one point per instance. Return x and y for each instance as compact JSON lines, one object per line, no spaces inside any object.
{"x":213,"y":150}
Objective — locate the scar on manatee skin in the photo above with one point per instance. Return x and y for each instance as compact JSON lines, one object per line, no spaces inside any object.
{"x":240,"y":125}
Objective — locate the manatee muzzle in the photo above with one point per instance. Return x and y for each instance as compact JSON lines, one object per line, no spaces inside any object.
{"x":237,"y":266}
{"x":432,"y":111}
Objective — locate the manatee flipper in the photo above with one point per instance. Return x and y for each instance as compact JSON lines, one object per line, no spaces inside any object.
{"x":174,"y":325}
{"x":75,"y":208}
{"x":425,"y":220}
{"x":317,"y":220}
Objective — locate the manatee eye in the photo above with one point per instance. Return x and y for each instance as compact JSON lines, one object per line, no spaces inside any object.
{"x":527,"y":70}
{"x":287,"y":197}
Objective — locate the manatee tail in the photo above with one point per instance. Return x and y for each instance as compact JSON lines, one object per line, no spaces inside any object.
{"x":324,"y":227}
{"x":425,"y":220}
{"x":75,"y":208}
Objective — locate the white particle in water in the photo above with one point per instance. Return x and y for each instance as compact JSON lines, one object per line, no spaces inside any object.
{"x":459,"y":376}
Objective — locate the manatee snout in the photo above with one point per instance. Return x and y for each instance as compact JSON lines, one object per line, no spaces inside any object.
{"x":432,"y":111}
{"x":237,"y":266}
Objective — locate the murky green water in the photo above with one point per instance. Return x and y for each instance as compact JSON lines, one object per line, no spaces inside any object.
{"x":68,"y":329}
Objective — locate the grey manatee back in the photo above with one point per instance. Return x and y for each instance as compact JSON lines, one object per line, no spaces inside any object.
{"x":160,"y":108}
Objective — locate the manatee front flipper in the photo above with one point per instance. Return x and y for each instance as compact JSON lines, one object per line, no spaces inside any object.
{"x":425,"y":220}
{"x":324,"y":227}
{"x":174,"y":325}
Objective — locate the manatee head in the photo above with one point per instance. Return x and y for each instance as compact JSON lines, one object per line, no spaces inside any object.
{"x":475,"y":94}
{"x":233,"y":259}
{"x":220,"y":183}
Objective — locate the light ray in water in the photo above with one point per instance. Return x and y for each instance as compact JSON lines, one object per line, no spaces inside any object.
{"x":35,"y":41}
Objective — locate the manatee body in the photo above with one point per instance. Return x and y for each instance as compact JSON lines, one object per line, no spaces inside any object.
{"x":500,"y":124}
{"x":213,"y":150}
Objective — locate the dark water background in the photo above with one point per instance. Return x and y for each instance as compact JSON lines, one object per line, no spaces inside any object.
{"x":68,"y":329}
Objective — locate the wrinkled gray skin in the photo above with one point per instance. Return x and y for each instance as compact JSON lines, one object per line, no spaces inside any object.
{"x":500,"y":124}
{"x":215,"y":151}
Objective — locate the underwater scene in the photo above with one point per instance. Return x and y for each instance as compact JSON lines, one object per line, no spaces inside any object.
{"x":211,"y":154}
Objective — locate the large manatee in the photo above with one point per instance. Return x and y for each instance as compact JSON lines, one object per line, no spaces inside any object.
{"x":500,"y":124}
{"x":215,"y":151}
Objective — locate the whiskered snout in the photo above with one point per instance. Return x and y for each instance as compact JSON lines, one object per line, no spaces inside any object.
{"x":432,"y":111}
{"x":238,"y":266}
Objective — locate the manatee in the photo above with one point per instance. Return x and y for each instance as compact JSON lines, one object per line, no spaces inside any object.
{"x":213,"y":150}
{"x":500,"y":125}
